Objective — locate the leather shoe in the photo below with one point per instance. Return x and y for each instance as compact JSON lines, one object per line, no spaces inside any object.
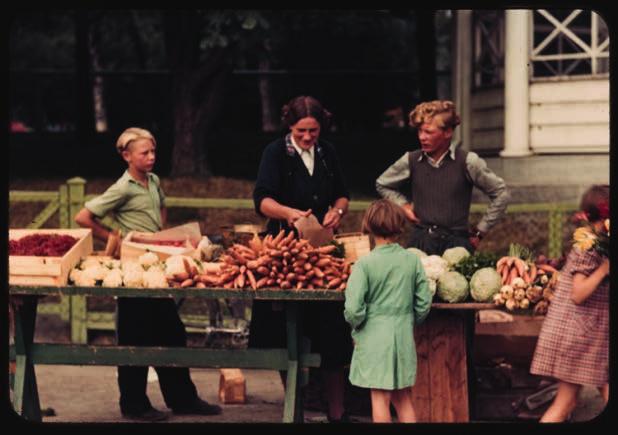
{"x":151,"y":414}
{"x":199,"y":407}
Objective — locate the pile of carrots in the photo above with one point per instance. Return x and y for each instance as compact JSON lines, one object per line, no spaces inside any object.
{"x":282,"y":261}
{"x":511,"y":267}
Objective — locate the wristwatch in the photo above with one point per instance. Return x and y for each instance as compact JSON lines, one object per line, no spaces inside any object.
{"x":339,"y":210}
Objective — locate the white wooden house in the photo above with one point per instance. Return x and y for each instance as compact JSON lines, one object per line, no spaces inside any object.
{"x":532,"y":87}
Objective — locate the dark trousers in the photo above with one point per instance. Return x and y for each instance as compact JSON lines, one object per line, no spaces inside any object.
{"x":151,"y":322}
{"x":436,"y":242}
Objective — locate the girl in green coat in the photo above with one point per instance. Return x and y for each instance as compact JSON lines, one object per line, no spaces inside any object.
{"x":386,"y":295}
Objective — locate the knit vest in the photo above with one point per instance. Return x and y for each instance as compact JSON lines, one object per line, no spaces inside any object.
{"x":441,"y":196}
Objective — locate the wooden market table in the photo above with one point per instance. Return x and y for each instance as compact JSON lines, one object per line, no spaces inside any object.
{"x":440,"y":393}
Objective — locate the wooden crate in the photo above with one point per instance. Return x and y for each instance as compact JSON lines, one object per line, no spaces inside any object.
{"x":33,"y":270}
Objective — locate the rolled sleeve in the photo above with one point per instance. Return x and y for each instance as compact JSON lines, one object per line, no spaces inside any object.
{"x":422,"y":295}
{"x":392,"y":179}
{"x":109,"y":200}
{"x":493,"y":186}
{"x":355,"y":308}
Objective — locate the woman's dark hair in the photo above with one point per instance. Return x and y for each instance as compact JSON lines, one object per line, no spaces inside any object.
{"x":595,"y":202}
{"x":302,"y":107}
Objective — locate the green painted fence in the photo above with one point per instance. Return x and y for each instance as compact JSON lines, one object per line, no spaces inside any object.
{"x":71,"y":197}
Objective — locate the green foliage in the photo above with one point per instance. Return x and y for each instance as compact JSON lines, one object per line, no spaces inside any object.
{"x":467,"y":266}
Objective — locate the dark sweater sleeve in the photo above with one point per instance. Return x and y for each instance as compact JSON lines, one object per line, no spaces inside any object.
{"x":268,"y":183}
{"x":340,"y":189}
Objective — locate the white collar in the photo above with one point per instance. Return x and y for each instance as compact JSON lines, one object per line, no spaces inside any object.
{"x":300,"y":150}
{"x":450,"y":152}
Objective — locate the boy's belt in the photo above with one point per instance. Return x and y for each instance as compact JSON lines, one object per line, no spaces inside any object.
{"x":436,"y":229}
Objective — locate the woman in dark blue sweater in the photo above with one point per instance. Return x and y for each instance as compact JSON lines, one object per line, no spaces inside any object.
{"x":300,"y":175}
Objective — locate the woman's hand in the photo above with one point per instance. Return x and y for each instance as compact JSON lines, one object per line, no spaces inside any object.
{"x":332,"y":219}
{"x":292,"y":215}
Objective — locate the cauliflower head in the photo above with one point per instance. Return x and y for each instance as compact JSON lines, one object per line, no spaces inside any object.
{"x":455,"y":255}
{"x":484,"y":284}
{"x":148,"y":259}
{"x":154,"y":278}
{"x":133,"y":276}
{"x":453,"y":287}
{"x":434,"y":266}
{"x":113,"y":278}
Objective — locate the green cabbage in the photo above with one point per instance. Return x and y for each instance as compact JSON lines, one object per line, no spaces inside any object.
{"x":452,"y":287}
{"x":484,"y":284}
{"x":418,"y":252}
{"x":455,"y":255}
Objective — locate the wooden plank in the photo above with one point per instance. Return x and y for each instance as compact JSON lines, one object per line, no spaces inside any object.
{"x":273,"y":359}
{"x":484,"y":140}
{"x":457,"y":367}
{"x":28,"y":269}
{"x":421,"y":393}
{"x":571,"y":136}
{"x":588,"y":112}
{"x":570,"y":91}
{"x":447,"y":361}
{"x":490,"y":98}
{"x":488,"y":119}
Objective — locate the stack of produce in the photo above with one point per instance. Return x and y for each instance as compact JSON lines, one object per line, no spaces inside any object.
{"x":526,"y":283}
{"x":281,"y":261}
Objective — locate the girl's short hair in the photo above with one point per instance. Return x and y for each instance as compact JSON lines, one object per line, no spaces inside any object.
{"x":131,"y":134}
{"x":595,"y":202}
{"x":302,"y":107}
{"x":383,"y":218}
{"x":442,"y":110}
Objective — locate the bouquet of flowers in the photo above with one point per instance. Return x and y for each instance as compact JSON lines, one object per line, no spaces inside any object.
{"x":589,"y":236}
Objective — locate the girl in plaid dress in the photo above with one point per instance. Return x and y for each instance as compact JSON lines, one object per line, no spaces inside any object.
{"x":574,"y":339}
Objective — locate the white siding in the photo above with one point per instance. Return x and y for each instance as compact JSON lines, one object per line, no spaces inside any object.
{"x":569,"y":116}
{"x":487,"y":120}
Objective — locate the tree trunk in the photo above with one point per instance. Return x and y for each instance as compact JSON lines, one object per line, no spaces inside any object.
{"x":197,"y":97}
{"x":100,"y":114}
{"x":269,"y":121}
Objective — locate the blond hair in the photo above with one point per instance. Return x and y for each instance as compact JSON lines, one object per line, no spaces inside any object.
{"x":442,"y":110}
{"x":383,"y":218}
{"x":131,"y":134}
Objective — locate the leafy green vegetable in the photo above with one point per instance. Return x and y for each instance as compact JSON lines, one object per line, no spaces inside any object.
{"x":339,"y":252}
{"x":468,"y":265}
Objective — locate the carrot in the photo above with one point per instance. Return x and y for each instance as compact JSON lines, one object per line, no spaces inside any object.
{"x":532,"y":272}
{"x":333,"y":283}
{"x":241,"y":280}
{"x":318,"y":272}
{"x":261,"y":282}
{"x":200,"y":285}
{"x":342,"y":286}
{"x":512,"y":275}
{"x":299,"y":285}
{"x":285,"y":285}
{"x":326,"y":249}
{"x":271,"y":282}
{"x":323,"y":262}
{"x":252,"y":280}
{"x":500,"y":262}
{"x":186,"y":283}
{"x":262,"y":270}
{"x":510,"y":260}
{"x":278,"y":238}
{"x":520,"y":265}
{"x":526,"y":277}
{"x":505,"y":274}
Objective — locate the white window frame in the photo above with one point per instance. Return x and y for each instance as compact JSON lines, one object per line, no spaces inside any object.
{"x":592,"y":52}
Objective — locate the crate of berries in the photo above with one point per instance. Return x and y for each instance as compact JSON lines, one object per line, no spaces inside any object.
{"x":46,"y":256}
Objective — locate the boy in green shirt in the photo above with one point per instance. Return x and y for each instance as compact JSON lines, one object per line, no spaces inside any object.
{"x":138,"y":203}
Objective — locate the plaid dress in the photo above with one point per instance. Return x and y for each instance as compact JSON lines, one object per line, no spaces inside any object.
{"x":573,"y":344}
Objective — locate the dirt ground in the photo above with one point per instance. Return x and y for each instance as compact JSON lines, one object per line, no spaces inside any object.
{"x":89,"y":394}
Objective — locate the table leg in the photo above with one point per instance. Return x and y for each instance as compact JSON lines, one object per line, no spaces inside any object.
{"x":292,"y":408}
{"x":25,"y":393}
